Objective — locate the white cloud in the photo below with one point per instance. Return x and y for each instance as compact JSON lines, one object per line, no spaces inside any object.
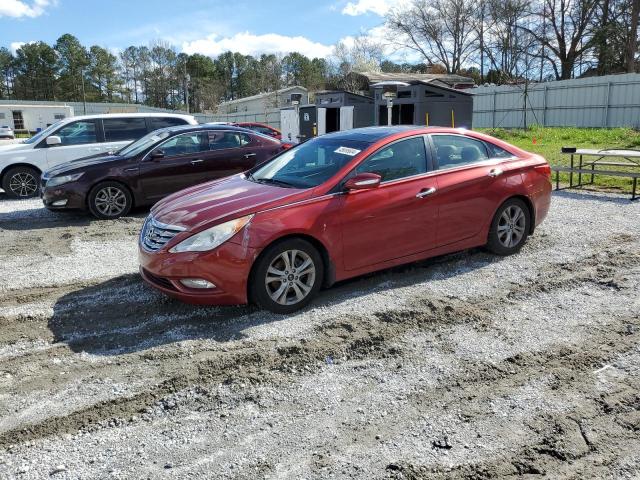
{"x":250,"y":44}
{"x":21,"y":8}
{"x":379,"y":7}
{"x":14,"y":46}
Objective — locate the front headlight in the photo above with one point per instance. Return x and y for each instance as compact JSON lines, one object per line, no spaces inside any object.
{"x":212,"y":237}
{"x":55,"y":181}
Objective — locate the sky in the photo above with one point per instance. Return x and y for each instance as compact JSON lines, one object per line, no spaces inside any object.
{"x":209,"y":27}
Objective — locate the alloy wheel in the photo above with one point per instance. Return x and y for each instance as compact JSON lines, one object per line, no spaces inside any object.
{"x":511,"y":226}
{"x":23,"y":184}
{"x":290,"y":277}
{"x":110,"y":201}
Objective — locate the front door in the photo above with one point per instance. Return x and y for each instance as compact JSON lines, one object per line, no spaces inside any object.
{"x":181,"y":166}
{"x":79,"y":139}
{"x":396,"y":219}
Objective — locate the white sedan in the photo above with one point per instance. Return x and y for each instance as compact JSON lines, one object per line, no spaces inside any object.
{"x":6,"y":132}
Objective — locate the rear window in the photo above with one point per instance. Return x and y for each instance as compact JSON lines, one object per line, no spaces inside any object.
{"x":164,"y":122}
{"x":121,"y":129}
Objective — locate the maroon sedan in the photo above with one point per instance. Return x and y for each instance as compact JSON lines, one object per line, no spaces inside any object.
{"x":339,"y":206}
{"x":153,"y":167}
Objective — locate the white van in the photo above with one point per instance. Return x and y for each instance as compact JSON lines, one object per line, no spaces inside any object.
{"x":21,"y":164}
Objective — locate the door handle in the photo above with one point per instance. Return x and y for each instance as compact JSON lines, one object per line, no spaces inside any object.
{"x":426,"y":192}
{"x":95,"y":149}
{"x":495,"y":172}
{"x":249,"y":155}
{"x":196,"y":161}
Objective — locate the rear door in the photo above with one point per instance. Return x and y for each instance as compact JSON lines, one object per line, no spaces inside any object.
{"x":179,"y":168}
{"x":396,"y":219}
{"x":230,"y":152}
{"x":121,"y":131}
{"x":79,"y":139}
{"x":471,"y":184}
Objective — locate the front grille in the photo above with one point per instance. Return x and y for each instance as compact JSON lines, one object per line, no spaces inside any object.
{"x":160,"y":281}
{"x":155,"y":235}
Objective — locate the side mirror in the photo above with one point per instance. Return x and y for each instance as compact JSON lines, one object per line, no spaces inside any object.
{"x":157,"y":154}
{"x":363,"y":181}
{"x":54,"y":140}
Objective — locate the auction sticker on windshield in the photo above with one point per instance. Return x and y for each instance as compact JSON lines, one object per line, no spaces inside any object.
{"x":348,"y":151}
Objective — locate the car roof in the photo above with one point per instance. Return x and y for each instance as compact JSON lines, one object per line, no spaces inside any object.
{"x":373,"y":134}
{"x":129,"y":115}
{"x":203,"y":127}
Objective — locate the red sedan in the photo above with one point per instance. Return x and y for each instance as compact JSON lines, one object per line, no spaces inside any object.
{"x":261,"y":128}
{"x":339,"y":206}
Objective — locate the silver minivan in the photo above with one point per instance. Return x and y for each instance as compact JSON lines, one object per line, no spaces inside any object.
{"x":21,"y":164}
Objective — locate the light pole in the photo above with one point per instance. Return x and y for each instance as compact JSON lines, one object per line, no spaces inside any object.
{"x":84,"y":99}
{"x":389,"y":92}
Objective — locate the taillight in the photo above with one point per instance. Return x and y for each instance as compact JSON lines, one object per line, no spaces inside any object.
{"x":544,"y":169}
{"x":286,"y":145}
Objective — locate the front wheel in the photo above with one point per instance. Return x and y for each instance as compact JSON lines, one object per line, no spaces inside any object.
{"x":109,"y":200}
{"x":287,"y":276}
{"x":21,"y":182}
{"x":510,"y":227}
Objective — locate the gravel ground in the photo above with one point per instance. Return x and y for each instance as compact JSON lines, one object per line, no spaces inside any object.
{"x":465,"y":366}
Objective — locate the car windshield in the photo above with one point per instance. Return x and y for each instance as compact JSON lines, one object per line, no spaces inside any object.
{"x":42,"y":134}
{"x":309,"y":164}
{"x":144,"y":143}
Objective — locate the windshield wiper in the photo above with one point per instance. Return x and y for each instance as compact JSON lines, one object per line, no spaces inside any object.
{"x":273,"y":181}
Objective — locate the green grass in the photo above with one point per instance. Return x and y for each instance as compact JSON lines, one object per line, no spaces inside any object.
{"x":549,"y":141}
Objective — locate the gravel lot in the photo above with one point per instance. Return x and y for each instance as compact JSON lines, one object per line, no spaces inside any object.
{"x":466,"y":366}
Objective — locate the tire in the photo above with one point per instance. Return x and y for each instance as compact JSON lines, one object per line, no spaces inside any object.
{"x":109,"y":200}
{"x":286,"y":292}
{"x":21,"y":182}
{"x":510,"y":227}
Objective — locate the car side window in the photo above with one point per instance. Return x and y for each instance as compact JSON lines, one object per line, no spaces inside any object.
{"x":399,"y":160}
{"x":185,"y":144}
{"x":457,"y":150}
{"x":164,"y":122}
{"x":498,"y":152}
{"x":122,"y":129}
{"x":78,"y":133}
{"x":220,"y":139}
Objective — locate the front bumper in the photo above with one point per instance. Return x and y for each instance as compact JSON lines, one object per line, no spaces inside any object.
{"x":74,"y":196}
{"x":227,"y":267}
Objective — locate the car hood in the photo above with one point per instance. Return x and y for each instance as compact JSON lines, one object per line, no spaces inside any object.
{"x":14,"y":147}
{"x":221,"y":200}
{"x":82,"y":163}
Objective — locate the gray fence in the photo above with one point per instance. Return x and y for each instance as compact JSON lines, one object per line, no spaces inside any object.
{"x":270,"y":117}
{"x":608,"y":101}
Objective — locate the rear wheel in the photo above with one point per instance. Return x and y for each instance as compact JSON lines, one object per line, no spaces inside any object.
{"x":510,"y":227}
{"x":287,"y":276}
{"x":109,"y":200}
{"x":21,"y":182}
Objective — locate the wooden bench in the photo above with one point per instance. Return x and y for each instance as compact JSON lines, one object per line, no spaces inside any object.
{"x":591,"y":171}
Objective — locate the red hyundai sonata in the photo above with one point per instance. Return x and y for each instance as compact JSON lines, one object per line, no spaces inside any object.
{"x":339,"y":206}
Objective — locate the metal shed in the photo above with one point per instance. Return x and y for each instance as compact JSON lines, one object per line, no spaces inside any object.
{"x":342,"y":110}
{"x":429,"y":103}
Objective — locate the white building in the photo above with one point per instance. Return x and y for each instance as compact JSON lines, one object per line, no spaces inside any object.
{"x":264,"y":101}
{"x":21,"y":117}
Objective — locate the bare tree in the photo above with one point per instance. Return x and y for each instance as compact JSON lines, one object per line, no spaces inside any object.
{"x":361,"y":54}
{"x":568,"y":35}
{"x":441,"y":31}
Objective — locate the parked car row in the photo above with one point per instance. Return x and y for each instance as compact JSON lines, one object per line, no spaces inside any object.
{"x":22,"y":164}
{"x":240,"y":217}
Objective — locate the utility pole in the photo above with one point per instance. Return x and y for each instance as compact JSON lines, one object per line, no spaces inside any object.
{"x":84,"y":99}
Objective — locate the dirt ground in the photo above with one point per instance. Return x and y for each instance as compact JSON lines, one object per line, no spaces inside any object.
{"x":465,"y":366}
